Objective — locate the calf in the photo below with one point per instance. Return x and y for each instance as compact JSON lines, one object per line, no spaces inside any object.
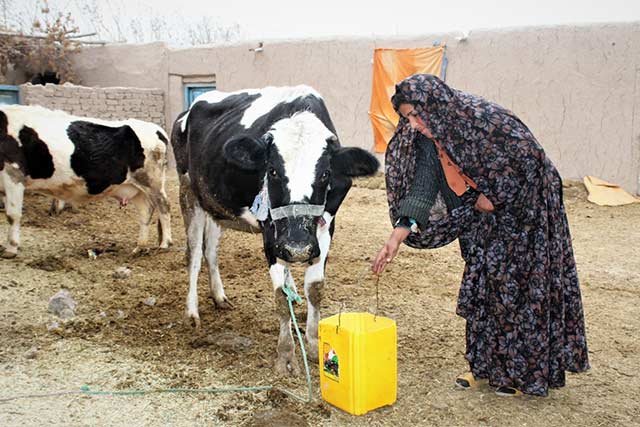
{"x":79,"y":159}
{"x":266,"y":160}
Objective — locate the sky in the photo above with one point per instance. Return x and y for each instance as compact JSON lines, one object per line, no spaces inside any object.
{"x":180,"y":22}
{"x":288,"y":18}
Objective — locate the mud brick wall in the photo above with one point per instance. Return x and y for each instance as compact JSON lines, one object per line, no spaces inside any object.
{"x":111,"y":103}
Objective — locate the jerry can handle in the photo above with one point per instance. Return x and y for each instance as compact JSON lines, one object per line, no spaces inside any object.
{"x":339,"y":316}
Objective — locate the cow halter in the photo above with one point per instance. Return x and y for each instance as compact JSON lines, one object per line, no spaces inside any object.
{"x":294,"y":210}
{"x":261,"y":207}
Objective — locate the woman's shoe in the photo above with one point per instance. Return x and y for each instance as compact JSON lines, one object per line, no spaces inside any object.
{"x":467,"y":381}
{"x":508,"y":392}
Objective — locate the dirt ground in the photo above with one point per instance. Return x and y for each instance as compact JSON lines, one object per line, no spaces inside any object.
{"x":117,"y":342}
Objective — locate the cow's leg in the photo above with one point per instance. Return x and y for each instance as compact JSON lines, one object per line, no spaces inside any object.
{"x":13,"y":180}
{"x":56,"y":208}
{"x":286,"y":362}
{"x":195,"y":237}
{"x":161,"y":202}
{"x":212,"y":235}
{"x":313,"y":285}
{"x":145,"y":209}
{"x":187,"y":206}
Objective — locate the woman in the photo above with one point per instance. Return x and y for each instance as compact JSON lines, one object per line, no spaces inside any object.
{"x":492,"y":186}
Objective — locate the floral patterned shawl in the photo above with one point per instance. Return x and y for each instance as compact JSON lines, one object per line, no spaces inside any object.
{"x":473,"y":131}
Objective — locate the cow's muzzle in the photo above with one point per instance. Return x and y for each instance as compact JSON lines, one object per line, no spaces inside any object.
{"x":296,"y":239}
{"x":298,"y":251}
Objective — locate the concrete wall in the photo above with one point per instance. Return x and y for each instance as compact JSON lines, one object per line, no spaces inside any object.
{"x":114,"y":103}
{"x":576,"y":87}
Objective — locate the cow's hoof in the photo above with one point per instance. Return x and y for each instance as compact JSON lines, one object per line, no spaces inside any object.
{"x":222,"y":303}
{"x":287,"y":366}
{"x":141,"y":251}
{"x":7,"y":255}
{"x":194,"y":319}
{"x":54,"y":210}
{"x":166,"y":245}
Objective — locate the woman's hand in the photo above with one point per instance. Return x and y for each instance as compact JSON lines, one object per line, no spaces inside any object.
{"x":483,"y":204}
{"x":390,"y":249}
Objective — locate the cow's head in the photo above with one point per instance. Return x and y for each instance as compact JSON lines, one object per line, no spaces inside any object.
{"x":299,"y":158}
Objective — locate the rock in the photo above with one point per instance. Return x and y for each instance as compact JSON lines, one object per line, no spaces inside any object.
{"x":53,"y":326}
{"x":32,"y":353}
{"x":151,"y":301}
{"x":62,"y":304}
{"x":122,"y":273}
{"x":120,"y":314}
{"x":67,"y":313}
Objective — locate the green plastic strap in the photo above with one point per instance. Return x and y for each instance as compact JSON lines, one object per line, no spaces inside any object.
{"x":289,"y":290}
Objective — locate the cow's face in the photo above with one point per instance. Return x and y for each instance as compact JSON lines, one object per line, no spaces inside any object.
{"x":300,"y":157}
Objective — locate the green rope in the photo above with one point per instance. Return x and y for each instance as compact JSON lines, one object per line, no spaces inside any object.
{"x":86,"y":390}
{"x":292,"y":296}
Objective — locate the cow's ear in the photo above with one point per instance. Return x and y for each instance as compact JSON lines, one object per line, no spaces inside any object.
{"x":352,"y":161}
{"x":245,"y":152}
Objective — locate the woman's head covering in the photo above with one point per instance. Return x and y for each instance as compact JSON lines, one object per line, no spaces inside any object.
{"x":438,"y":105}
{"x":468,"y":127}
{"x":430,"y":97}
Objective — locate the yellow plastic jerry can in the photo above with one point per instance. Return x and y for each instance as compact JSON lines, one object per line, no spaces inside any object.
{"x":358,"y":361}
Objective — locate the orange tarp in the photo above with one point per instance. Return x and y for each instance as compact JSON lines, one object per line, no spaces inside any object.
{"x":390,"y":66}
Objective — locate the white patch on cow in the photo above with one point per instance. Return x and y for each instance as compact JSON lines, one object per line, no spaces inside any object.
{"x":315,"y":272}
{"x":272,"y":96}
{"x":249,"y":218}
{"x":195,"y":236}
{"x":278,"y":275}
{"x":213,"y":233}
{"x":215,"y":96}
{"x":51,"y":127}
{"x":276,"y":271}
{"x":301,"y":140}
{"x":269,"y":97}
{"x":146,"y":132}
{"x":314,"y":276}
{"x":14,"y":196}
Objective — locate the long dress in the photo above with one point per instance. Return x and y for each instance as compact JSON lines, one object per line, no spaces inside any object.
{"x":520,"y":293}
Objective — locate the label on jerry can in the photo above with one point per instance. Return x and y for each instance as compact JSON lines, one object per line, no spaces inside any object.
{"x":331,"y":362}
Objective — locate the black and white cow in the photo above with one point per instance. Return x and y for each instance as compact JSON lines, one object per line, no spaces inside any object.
{"x":79,"y":159}
{"x":276,"y":146}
